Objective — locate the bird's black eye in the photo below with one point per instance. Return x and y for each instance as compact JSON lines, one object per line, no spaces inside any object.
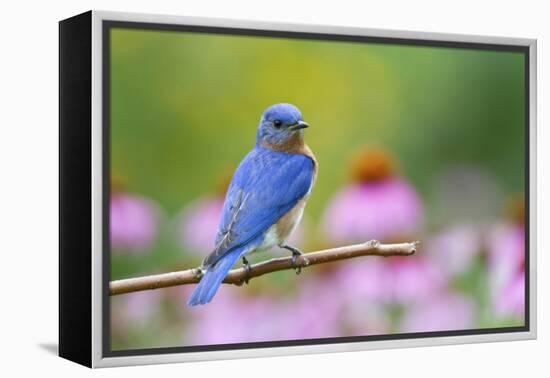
{"x":277,"y":123}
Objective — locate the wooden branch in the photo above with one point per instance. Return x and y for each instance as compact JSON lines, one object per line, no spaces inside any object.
{"x":238,"y":276}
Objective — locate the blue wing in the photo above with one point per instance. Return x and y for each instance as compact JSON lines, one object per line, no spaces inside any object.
{"x":266,"y":185}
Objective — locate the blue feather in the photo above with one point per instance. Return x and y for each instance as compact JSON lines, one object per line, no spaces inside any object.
{"x":212,"y":279}
{"x":267,"y":184}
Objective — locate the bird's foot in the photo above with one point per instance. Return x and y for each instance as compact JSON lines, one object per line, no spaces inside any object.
{"x":295,"y":253}
{"x":247,"y":268}
{"x":199,"y":272}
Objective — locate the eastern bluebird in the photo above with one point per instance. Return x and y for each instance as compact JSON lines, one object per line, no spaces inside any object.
{"x":265,"y":200}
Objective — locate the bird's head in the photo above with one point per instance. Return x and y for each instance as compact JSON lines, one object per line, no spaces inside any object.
{"x":280,"y":124}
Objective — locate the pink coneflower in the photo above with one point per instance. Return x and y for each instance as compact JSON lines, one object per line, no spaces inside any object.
{"x":133,"y":222}
{"x":198,"y":224}
{"x":454,"y":249}
{"x":412,"y":279}
{"x":365,"y":318}
{"x":357,"y":289}
{"x":361,"y":280}
{"x":506,"y":243}
{"x":397,"y":280}
{"x":232,"y":318}
{"x":313,"y":312}
{"x":381,"y":205}
{"x":506,"y":255}
{"x":134,"y":310}
{"x":511,"y":299}
{"x":442,"y":313}
{"x":198,"y":220}
{"x":378,"y":204}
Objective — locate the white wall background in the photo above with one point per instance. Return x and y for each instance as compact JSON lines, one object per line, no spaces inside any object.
{"x":28,"y":199}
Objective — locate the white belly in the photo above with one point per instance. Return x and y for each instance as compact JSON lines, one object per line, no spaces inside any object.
{"x":281,"y":230}
{"x":271,"y":240}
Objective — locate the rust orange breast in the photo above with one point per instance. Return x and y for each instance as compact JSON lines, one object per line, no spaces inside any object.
{"x":288,"y":222}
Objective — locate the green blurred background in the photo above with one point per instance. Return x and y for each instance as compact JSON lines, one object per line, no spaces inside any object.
{"x":185,"y":108}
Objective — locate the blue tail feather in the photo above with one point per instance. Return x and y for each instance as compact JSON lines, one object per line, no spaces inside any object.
{"x":212,"y":279}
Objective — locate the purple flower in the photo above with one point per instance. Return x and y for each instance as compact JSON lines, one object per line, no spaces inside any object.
{"x":199,"y":222}
{"x":398,"y":280}
{"x":362,"y":280}
{"x":506,"y":254}
{"x":377,"y":205}
{"x":412,"y":279}
{"x":454,"y":249}
{"x":314,"y":312}
{"x":134,"y":310}
{"x":133,"y":221}
{"x":445,"y":312}
{"x":232,"y":318}
{"x":511,"y":299}
{"x":374,"y":210}
{"x":361,"y":318}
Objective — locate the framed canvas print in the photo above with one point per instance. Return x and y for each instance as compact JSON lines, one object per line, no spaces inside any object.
{"x":233,"y":189}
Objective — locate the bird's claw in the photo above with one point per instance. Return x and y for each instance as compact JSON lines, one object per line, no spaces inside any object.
{"x":297,"y":268}
{"x":295,"y":253}
{"x":247,"y":269}
{"x":199,"y":272}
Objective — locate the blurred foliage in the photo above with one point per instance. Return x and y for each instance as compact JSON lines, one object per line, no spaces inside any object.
{"x":185,"y":107}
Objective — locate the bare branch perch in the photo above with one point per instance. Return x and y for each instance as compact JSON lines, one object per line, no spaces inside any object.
{"x":237,"y":276}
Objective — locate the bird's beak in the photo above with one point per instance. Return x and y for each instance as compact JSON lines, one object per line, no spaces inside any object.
{"x":299,"y":125}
